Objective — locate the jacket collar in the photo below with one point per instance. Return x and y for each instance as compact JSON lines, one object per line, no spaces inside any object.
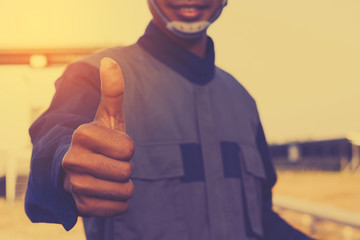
{"x":195,"y":69}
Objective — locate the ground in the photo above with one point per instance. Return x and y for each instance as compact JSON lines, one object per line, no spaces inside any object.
{"x":14,"y":225}
{"x":331,"y":188}
{"x":340,"y":190}
{"x":337,"y":189}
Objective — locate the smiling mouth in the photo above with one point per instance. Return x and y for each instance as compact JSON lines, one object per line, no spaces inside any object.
{"x":188,"y":13}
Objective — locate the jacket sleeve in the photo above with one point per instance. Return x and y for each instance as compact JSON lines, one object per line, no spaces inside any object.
{"x":74,"y":103}
{"x":274,"y":226}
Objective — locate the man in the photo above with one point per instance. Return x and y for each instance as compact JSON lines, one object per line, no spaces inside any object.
{"x":202,"y":166}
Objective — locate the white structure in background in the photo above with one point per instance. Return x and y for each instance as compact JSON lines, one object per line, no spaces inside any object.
{"x":293,"y":153}
{"x":24,"y":93}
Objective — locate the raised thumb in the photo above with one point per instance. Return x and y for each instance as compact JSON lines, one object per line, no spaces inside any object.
{"x":110,"y":112}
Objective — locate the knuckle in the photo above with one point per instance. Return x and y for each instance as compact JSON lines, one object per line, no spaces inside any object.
{"x":80,"y":134}
{"x":124,"y":206}
{"x":121,"y":207}
{"x":75,"y":160}
{"x":127,"y":170}
{"x":68,"y":162}
{"x":128,"y":147}
{"x":83,"y":208}
{"x":77,"y":187}
{"x":129,"y":189}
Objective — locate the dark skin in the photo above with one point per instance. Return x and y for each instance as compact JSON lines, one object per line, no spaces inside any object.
{"x":197,"y":45}
{"x":97,"y":165}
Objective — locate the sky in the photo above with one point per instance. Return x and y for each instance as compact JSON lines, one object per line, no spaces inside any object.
{"x":299,"y":59}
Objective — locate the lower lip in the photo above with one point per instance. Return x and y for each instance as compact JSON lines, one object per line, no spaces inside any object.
{"x":185,"y":14}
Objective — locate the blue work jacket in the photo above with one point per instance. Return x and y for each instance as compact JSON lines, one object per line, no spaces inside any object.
{"x":202,"y":164}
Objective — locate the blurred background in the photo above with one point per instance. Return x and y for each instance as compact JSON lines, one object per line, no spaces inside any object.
{"x":299,"y":59}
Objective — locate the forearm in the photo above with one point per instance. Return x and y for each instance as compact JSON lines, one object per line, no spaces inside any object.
{"x":46,"y":201}
{"x":74,"y":103}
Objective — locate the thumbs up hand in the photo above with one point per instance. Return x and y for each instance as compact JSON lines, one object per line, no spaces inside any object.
{"x":97,"y":165}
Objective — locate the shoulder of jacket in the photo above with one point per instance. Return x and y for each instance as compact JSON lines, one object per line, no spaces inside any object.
{"x":120,"y":54}
{"x":234,"y":85}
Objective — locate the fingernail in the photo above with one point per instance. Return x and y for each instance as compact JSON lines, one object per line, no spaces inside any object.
{"x":107,"y":62}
